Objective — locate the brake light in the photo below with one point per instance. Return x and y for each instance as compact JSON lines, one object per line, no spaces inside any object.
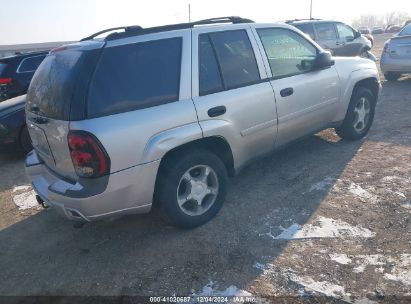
{"x":89,"y":157}
{"x":5,"y":80}
{"x":386,"y":48}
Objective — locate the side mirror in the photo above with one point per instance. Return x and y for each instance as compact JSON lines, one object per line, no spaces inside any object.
{"x":357,"y":35}
{"x":323,"y":60}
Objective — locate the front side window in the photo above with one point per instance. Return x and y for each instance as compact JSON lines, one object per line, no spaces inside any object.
{"x":345,"y":32}
{"x":235,"y":58}
{"x":30,"y":64}
{"x":288,"y":53}
{"x":136,"y":76}
{"x":325,"y":31}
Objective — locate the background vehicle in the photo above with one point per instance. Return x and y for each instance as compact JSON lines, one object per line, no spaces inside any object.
{"x":13,"y":130}
{"x":396,"y":56}
{"x":168,"y":113}
{"x":16,"y":73}
{"x":392,"y":28}
{"x":337,"y":37}
{"x":376,"y":30}
{"x":364,"y":30}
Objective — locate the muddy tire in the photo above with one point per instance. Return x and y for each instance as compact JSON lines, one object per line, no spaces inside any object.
{"x":360,"y":115}
{"x":191,"y":189}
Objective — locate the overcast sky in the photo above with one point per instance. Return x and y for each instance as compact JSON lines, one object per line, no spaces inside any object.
{"x":26,"y":21}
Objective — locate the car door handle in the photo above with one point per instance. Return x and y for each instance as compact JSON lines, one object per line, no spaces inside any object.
{"x":286,"y":92}
{"x":217,"y":111}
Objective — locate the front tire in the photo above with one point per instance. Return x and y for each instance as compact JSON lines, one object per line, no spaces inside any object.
{"x":360,"y":115}
{"x":391,"y":76}
{"x":192,"y":187}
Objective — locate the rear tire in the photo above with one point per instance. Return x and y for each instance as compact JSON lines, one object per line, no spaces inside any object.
{"x":360,"y":115}
{"x":191,"y":188}
{"x":392,"y":76}
{"x":25,"y":140}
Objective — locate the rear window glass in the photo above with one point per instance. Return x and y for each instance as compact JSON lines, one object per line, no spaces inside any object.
{"x":136,"y":76}
{"x":307,"y":29}
{"x":30,"y":64}
{"x":52,"y":85}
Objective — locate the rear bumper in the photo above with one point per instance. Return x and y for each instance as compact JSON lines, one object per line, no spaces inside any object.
{"x":126,"y":192}
{"x":389,"y":64}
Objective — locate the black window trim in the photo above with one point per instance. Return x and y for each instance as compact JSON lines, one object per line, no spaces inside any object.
{"x":24,"y":59}
{"x":137,"y":107}
{"x":266,"y":56}
{"x":219,"y":66}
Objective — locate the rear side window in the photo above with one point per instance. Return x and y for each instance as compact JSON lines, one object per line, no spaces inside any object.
{"x":307,"y":28}
{"x":136,"y":76}
{"x":30,"y":64}
{"x":325,"y":31}
{"x":227,"y":61}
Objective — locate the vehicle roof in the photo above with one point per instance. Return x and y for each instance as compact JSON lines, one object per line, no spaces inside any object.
{"x":24,"y":55}
{"x":304,"y":21}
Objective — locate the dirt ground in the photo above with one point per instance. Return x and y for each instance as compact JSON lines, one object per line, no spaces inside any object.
{"x":323,"y":217}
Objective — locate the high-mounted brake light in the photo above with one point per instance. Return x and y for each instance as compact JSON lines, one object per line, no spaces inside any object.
{"x":6,"y":80}
{"x":87,"y":154}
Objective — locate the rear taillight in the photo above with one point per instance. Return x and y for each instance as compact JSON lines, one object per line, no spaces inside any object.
{"x":88,"y":155}
{"x":6,"y":80}
{"x":386,"y":48}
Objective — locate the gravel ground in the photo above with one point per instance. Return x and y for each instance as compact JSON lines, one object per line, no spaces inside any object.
{"x":323,"y":217}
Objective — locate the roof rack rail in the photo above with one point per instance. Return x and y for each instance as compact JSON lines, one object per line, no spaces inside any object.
{"x":132,"y":28}
{"x":303,"y":19}
{"x":138,"y":30}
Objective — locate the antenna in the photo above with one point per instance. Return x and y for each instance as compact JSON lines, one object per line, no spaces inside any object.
{"x":311,"y":9}
{"x":189,"y":13}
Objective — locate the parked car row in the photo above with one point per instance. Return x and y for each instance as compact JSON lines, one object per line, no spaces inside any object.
{"x":162,"y":116}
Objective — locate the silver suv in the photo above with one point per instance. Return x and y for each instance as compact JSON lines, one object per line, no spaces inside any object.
{"x":162,"y":116}
{"x":337,"y":37}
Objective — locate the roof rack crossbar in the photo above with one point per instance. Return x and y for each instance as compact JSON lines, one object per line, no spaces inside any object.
{"x":125,"y":28}
{"x":303,"y":19}
{"x":136,"y":30}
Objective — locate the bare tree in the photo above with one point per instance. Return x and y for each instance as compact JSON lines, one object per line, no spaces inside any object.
{"x":370,"y":20}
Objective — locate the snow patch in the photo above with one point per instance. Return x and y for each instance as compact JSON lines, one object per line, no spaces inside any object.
{"x":25,"y":200}
{"x":401,"y":272}
{"x":209,"y":290}
{"x":21,"y":188}
{"x":323,"y":185}
{"x":375,"y":260}
{"x":357,"y":190}
{"x":325,"y":228}
{"x":340,"y":258}
{"x":326,"y":288}
{"x":406,"y":205}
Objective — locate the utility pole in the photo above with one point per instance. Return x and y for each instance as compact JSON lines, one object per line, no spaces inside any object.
{"x":311,"y":9}
{"x":189,"y":13}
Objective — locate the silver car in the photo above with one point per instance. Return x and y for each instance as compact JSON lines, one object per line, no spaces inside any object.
{"x":396,"y":56}
{"x":163,"y":116}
